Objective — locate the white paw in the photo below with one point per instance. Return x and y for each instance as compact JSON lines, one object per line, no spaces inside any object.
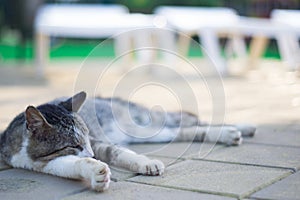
{"x":101,"y":177}
{"x":151,"y":168}
{"x":230,"y":136}
{"x":98,"y":173}
{"x":247,"y":130}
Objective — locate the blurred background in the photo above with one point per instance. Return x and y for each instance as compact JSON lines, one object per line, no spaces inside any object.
{"x":17,"y":18}
{"x":57,"y":55}
{"x":266,"y":86}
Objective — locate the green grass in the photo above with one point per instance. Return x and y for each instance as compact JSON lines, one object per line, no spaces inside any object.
{"x":82,"y":49}
{"x":70,"y":48}
{"x":59,"y":49}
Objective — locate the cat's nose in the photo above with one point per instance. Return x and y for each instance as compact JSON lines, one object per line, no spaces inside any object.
{"x":86,"y":153}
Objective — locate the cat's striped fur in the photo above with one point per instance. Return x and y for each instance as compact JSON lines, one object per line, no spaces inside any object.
{"x":79,"y":138}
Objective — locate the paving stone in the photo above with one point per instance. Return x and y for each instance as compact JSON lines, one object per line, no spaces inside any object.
{"x":266,"y":155}
{"x":121,"y":174}
{"x":176,"y":150}
{"x":22,"y":184}
{"x":167,"y":161}
{"x":287,"y":188}
{"x":284,"y":134}
{"x":242,"y":106}
{"x":127,"y":190}
{"x":216,"y":178}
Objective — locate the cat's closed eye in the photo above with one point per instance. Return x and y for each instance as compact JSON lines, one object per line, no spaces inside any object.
{"x":78,"y":147}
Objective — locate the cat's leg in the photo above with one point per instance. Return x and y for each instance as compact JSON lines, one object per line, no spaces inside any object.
{"x":247,"y":130}
{"x":222,"y":134}
{"x":76,"y":167}
{"x":124,"y":158}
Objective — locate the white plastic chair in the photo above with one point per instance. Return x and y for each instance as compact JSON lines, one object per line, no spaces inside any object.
{"x":288,"y":42}
{"x":207,"y":23}
{"x":260,"y":30}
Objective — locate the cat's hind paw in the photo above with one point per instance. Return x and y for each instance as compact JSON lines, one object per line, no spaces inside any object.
{"x":152,"y":168}
{"x":247,"y":130}
{"x":231,"y":136}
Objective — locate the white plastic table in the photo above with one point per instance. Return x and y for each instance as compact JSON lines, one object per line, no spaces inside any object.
{"x":88,"y":21}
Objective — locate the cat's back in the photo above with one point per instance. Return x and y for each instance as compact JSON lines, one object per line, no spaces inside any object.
{"x":106,"y":110}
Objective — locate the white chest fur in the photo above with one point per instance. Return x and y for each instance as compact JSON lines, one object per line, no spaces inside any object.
{"x":21,"y":159}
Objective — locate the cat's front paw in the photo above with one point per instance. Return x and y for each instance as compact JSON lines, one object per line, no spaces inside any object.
{"x":98,"y":173}
{"x":231,"y":136}
{"x":101,"y":177}
{"x":151,"y":168}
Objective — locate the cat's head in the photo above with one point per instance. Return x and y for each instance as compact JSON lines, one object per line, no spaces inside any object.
{"x":57,"y":130}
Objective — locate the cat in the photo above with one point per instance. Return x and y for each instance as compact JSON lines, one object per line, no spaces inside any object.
{"x":78,"y":137}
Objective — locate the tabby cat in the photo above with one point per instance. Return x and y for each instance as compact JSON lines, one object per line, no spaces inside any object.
{"x":78,"y":138}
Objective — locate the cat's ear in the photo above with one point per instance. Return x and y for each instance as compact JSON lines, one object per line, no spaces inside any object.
{"x":34,"y":119}
{"x":74,"y":103}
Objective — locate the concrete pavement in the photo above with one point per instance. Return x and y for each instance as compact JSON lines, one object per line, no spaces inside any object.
{"x":264,"y":167}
